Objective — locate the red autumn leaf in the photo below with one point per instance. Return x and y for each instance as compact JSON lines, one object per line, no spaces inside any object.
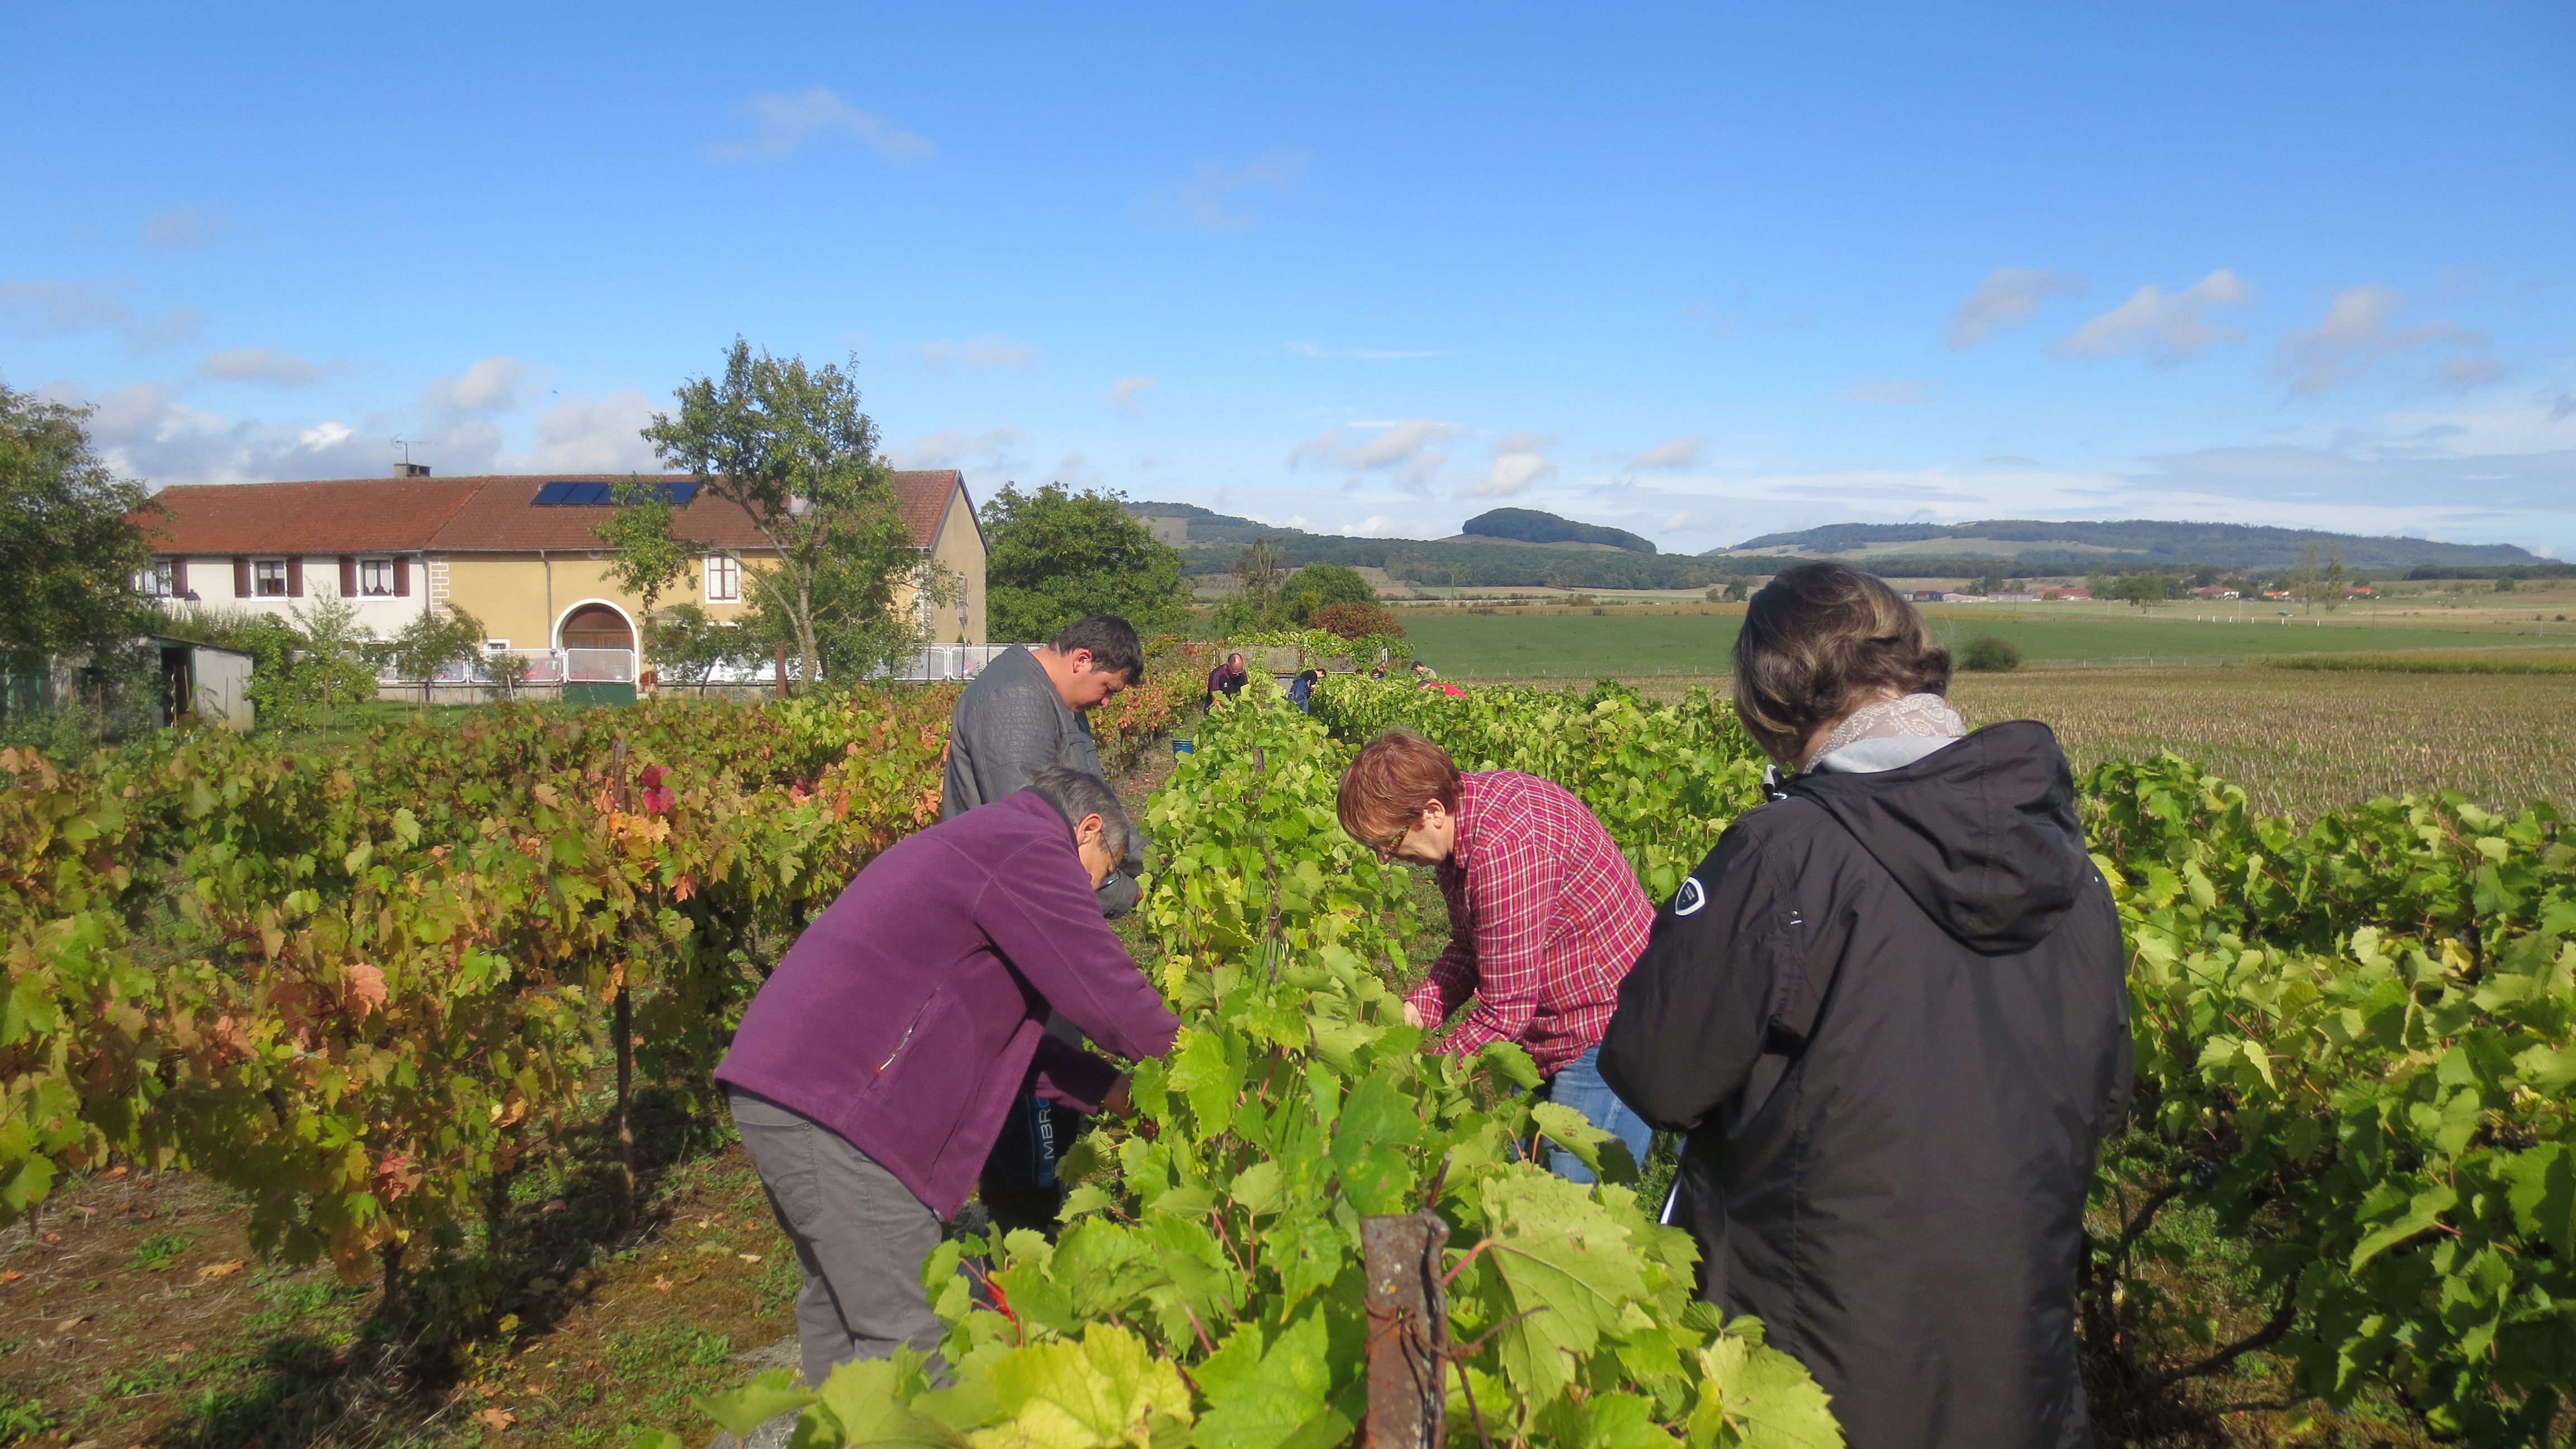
{"x":367,"y":988}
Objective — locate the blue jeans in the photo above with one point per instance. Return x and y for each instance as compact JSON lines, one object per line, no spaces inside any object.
{"x":1578,"y":1084}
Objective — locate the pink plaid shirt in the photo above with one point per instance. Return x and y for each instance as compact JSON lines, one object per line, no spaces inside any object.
{"x":1545,"y":917}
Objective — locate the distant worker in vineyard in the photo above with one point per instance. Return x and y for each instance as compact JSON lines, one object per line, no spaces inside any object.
{"x":1545,"y":915}
{"x":1889,"y":1010}
{"x":1301,"y":690}
{"x":872,"y":1073}
{"x":1227,"y":679}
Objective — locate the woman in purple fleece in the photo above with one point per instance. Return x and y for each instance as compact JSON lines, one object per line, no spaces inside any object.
{"x":872,"y":1072}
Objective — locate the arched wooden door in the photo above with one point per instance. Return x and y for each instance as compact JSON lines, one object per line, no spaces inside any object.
{"x":598,"y":645}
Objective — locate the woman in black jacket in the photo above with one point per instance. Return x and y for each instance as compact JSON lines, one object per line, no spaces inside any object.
{"x":1889,"y":1011}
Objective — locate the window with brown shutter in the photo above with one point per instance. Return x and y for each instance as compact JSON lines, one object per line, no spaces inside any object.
{"x":179,"y":577}
{"x":402,"y":578}
{"x":295,"y":578}
{"x":241,"y":578}
{"x":348,"y":576}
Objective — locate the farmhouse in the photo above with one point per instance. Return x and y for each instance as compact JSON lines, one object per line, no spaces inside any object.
{"x":515,"y":551}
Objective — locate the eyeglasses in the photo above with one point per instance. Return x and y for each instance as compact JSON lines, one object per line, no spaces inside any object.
{"x":1386,"y":848}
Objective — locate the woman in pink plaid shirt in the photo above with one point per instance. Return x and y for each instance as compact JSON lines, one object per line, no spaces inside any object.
{"x":1545,"y":916}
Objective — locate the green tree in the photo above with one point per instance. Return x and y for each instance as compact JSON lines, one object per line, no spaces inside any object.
{"x":1263,"y":573}
{"x":434,"y":640}
{"x":787,"y":445}
{"x":2302,"y":581}
{"x":67,"y":552}
{"x":2330,"y":585}
{"x":687,"y":646}
{"x":1319,"y":586}
{"x":1054,"y":556}
{"x":2143,"y":589}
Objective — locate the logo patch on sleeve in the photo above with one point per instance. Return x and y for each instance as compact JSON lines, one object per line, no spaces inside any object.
{"x":1692,"y":896}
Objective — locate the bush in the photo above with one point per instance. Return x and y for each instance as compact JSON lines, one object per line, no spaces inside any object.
{"x":1988,"y":654}
{"x":1358,"y":621}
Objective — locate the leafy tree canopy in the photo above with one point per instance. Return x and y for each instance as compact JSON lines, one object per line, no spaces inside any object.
{"x":788,"y":445}
{"x":1319,"y":586}
{"x":1054,"y":556}
{"x":67,"y":552}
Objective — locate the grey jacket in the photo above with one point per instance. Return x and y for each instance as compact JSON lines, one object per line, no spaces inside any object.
{"x":1009,"y":725}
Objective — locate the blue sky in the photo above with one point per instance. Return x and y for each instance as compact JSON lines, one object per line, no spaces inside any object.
{"x":1701,"y":271}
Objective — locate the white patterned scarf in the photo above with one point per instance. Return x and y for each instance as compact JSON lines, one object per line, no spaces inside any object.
{"x":1919,"y":717}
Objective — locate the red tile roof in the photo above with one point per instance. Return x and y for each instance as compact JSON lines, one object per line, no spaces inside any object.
{"x":491,"y":513}
{"x":376,"y":515}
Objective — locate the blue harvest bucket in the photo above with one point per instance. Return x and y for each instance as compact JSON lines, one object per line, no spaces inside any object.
{"x":1182,"y":747}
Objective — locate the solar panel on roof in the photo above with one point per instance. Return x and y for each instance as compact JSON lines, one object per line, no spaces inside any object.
{"x":567,"y":494}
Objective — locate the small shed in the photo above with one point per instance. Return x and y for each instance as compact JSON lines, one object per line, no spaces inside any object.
{"x":205,"y":678}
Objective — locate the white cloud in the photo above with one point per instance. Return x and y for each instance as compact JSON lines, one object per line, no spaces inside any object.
{"x":1201,"y":201}
{"x":1122,"y":394}
{"x":1890,"y":390}
{"x":2354,"y":337}
{"x":2007,"y":298}
{"x":2167,"y":328}
{"x":953,"y":446}
{"x":50,"y":305}
{"x":183,"y":226}
{"x":595,"y":435}
{"x":261,"y":364}
{"x":786,"y":120}
{"x":1402,"y":446}
{"x":989,"y":350}
{"x":1681,"y":452}
{"x":1513,"y":473}
{"x":489,"y":386}
{"x":143,"y":432}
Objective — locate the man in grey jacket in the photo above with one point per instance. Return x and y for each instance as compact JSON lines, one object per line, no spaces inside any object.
{"x":1024,"y":714}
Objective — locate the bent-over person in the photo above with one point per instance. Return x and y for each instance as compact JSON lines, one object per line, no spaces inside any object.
{"x":873,"y":1071}
{"x":1545,"y":915}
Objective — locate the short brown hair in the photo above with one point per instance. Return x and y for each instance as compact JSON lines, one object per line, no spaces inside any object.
{"x":1821,"y":640}
{"x":1389,"y":782}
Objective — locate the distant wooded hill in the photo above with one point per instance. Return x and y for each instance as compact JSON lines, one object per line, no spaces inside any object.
{"x":1528,"y":525}
{"x":2030,"y":543}
{"x":1583,"y":557}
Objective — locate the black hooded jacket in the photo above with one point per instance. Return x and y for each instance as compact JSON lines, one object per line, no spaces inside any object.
{"x":1891,"y":1013}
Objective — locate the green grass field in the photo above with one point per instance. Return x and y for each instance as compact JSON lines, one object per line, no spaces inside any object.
{"x":1581,"y":646}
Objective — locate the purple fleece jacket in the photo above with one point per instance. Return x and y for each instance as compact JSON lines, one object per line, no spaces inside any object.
{"x":911,"y":1012}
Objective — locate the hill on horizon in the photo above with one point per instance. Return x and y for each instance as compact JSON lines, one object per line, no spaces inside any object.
{"x":2125,"y":541}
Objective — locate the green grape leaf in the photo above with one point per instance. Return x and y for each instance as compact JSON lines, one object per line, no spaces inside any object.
{"x":1257,"y":1399}
{"x":1606,"y":1155}
{"x":1107,"y":1389}
{"x":766,"y":1397}
{"x":1258,"y":1188}
{"x":862,"y":1399}
{"x":1761,"y":1399}
{"x":1512,"y":1063}
{"x":1567,"y":1264}
{"x":2544,"y":1196}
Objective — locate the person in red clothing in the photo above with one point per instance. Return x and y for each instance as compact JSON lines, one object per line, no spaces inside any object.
{"x":1545,"y":915}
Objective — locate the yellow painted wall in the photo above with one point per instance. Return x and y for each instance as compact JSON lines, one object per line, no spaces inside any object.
{"x":960,"y":546}
{"x":510,"y":593}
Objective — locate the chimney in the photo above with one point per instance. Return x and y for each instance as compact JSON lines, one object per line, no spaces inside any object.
{"x":411,"y":470}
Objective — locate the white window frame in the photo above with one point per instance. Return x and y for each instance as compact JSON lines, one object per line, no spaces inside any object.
{"x":375,"y":578}
{"x":724,"y":579}
{"x":156,"y":580}
{"x":260,"y":578}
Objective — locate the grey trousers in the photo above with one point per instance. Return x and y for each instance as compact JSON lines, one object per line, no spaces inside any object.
{"x":860,"y":1235}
